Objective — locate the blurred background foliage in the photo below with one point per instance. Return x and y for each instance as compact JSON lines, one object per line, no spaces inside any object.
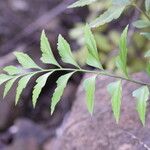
{"x":108,"y":35}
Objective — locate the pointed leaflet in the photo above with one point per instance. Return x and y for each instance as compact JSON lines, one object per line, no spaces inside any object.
{"x":12,"y":70}
{"x":142,"y":95}
{"x":141,"y":24}
{"x":8,"y":86}
{"x":146,"y":34}
{"x":121,"y":61}
{"x":115,"y":90}
{"x":147,"y":5}
{"x":4,"y":78}
{"x":25,"y":60}
{"x":47,"y":55}
{"x":114,"y":12}
{"x":81,"y":3}
{"x":93,"y":56}
{"x":65,"y":51}
{"x":61,"y":84}
{"x":89,"y":86}
{"x":41,"y":81}
{"x":21,"y":85}
{"x":147,"y":54}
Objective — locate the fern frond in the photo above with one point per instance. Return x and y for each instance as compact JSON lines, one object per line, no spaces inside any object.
{"x":12,"y":73}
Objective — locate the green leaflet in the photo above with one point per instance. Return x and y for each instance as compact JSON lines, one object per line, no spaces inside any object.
{"x":146,"y":34}
{"x":65,"y":51}
{"x":81,"y":3}
{"x":21,"y":85}
{"x":121,"y":2}
{"x":121,"y":61}
{"x":41,"y":81}
{"x":147,"y":54}
{"x":115,"y":90}
{"x":89,"y":86}
{"x":147,"y":5}
{"x":93,"y":56}
{"x":142,"y":95}
{"x":12,"y":70}
{"x":4,"y":78}
{"x":61,"y":84}
{"x":141,"y":24}
{"x":113,"y":12}
{"x":8,"y":86}
{"x":25,"y":60}
{"x":47,"y":55}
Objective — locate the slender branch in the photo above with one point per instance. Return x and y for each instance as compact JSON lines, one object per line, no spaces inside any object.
{"x":104,"y":73}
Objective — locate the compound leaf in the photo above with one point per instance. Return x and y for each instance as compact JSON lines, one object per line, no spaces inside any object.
{"x":47,"y":55}
{"x":8,"y":86}
{"x":40,"y":83}
{"x":93,"y":56}
{"x":115,"y":90}
{"x":61,"y":84}
{"x":89,"y":86}
{"x":142,"y":95}
{"x":25,"y":60}
{"x":81,"y":3}
{"x":121,"y":61}
{"x":21,"y":85}
{"x":65,"y":51}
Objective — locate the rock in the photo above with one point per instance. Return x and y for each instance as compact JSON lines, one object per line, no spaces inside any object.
{"x":100,"y":132}
{"x":27,"y":135}
{"x":7,"y":109}
{"x":27,"y":144}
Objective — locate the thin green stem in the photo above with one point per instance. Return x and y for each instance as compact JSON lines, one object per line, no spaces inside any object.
{"x":104,"y":73}
{"x":101,"y":72}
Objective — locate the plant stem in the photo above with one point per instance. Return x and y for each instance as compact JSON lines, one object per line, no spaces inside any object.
{"x":104,"y":73}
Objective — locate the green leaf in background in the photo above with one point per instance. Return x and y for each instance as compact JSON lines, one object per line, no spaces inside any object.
{"x":113,"y":12}
{"x":93,"y":56}
{"x":146,"y":34}
{"x":65,"y":51}
{"x":142,"y":95}
{"x":121,"y":61}
{"x":115,"y":90}
{"x":61,"y":84}
{"x":148,"y":69}
{"x":8,"y":86}
{"x":81,"y":3}
{"x":89,"y":86}
{"x":12,"y":70}
{"x":147,"y":5}
{"x":147,"y":54}
{"x":121,"y":2}
{"x":21,"y":85}
{"x":4,"y":78}
{"x":25,"y":60}
{"x":47,"y":55}
{"x":141,"y":24}
{"x":41,"y":81}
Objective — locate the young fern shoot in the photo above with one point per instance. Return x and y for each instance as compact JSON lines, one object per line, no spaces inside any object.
{"x":114,"y":89}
